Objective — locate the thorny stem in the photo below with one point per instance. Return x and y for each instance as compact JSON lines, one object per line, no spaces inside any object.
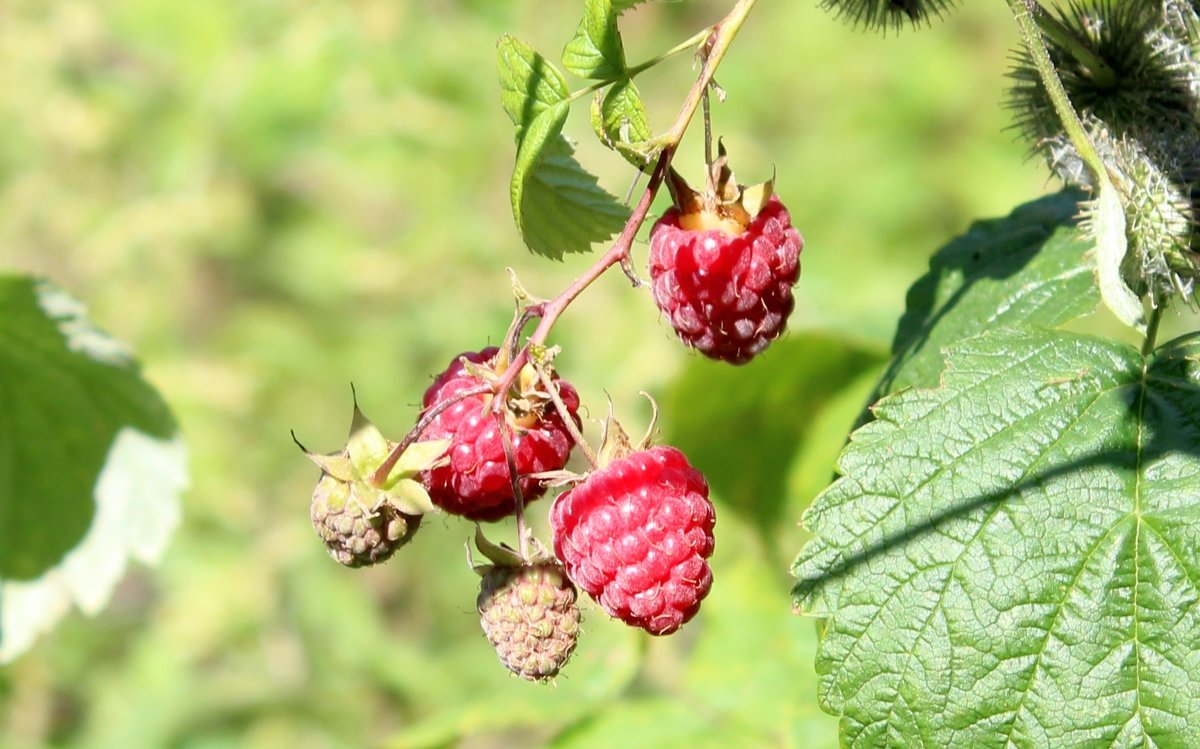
{"x":379,"y":478}
{"x":518,"y":499}
{"x":708,"y":142}
{"x":717,"y":42}
{"x":1025,"y":13}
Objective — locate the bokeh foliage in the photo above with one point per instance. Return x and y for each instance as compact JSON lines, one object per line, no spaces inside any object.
{"x":270,"y":200}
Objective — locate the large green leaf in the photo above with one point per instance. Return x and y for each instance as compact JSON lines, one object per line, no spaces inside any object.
{"x":1013,"y":558}
{"x":90,"y":464}
{"x":529,"y":83}
{"x":1027,"y":268}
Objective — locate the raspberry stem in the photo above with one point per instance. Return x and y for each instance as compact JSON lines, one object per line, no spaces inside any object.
{"x":379,"y":478}
{"x":565,"y":415}
{"x":716,"y":44}
{"x":518,"y":499}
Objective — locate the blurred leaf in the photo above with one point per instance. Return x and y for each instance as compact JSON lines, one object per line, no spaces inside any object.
{"x":488,"y":701}
{"x":753,"y":680}
{"x":771,"y":401}
{"x":657,"y":722}
{"x":1012,"y":558}
{"x":90,"y":465}
{"x":558,"y":206}
{"x":529,"y":83}
{"x":813,"y":468}
{"x":1028,"y":268}
{"x":596,"y":50}
{"x":620,"y":121}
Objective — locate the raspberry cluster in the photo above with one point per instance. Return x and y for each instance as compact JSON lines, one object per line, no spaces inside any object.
{"x":498,"y":425}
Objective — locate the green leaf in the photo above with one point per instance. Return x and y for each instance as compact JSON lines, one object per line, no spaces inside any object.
{"x":557,"y":205}
{"x":1013,"y":559}
{"x":596,"y":50}
{"x":529,"y":83}
{"x":1028,"y":268}
{"x":411,"y":497}
{"x":620,"y":121}
{"x":775,"y":398}
{"x":91,"y":465}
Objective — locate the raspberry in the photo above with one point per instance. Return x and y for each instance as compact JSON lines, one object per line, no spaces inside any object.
{"x":635,"y":535}
{"x":475,"y":482}
{"x":363,"y":517}
{"x":530,"y":616}
{"x":723,"y":266}
{"x":355,"y":535}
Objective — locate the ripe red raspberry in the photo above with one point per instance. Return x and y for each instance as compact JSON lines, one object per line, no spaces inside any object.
{"x":723,"y":267}
{"x":635,"y":535}
{"x":475,"y":483}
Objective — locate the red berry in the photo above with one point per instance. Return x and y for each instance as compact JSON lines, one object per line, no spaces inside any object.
{"x":475,"y":483}
{"x":635,"y":535}
{"x":728,"y":293}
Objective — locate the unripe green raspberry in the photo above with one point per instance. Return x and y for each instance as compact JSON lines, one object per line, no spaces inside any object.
{"x":530,"y":616}
{"x":356,"y":535}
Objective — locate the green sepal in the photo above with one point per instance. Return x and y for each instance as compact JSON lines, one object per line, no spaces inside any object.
{"x":336,"y":465}
{"x":410,"y":497}
{"x":367,"y":447}
{"x":500,"y":555}
{"x":417,"y":457}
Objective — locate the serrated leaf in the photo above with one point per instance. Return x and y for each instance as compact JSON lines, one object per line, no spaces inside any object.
{"x":529,"y":83}
{"x":1013,"y":559}
{"x":1030,"y":267}
{"x":557,"y":205}
{"x":596,"y":50}
{"x":621,"y":123}
{"x":91,"y":465}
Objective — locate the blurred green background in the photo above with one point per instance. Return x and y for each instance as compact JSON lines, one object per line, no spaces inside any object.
{"x":272,"y":199}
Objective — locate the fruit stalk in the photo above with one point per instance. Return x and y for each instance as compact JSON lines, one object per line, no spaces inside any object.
{"x":717,"y":44}
{"x":379,"y":478}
